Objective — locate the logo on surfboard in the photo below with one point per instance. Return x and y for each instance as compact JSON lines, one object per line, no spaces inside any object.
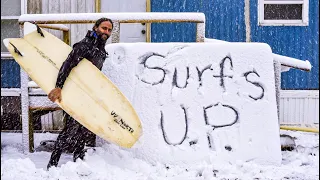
{"x":121,"y":122}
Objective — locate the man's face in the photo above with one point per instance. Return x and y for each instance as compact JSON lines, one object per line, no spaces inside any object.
{"x":104,"y":30}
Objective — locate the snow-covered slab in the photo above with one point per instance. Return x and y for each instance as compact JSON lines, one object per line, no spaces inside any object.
{"x":195,"y":99}
{"x":121,"y":17}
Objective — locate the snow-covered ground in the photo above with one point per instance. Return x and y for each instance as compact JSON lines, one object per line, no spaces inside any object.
{"x":110,"y":162}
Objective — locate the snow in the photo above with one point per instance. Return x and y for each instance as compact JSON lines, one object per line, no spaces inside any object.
{"x":122,"y":17}
{"x":110,"y":162}
{"x":186,"y":121}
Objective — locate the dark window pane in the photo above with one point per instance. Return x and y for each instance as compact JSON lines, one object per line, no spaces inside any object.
{"x":10,"y":115}
{"x":10,"y":7}
{"x":283,"y":11}
{"x":9,"y":29}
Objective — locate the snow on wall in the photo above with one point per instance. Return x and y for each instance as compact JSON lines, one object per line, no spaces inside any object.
{"x":195,"y":99}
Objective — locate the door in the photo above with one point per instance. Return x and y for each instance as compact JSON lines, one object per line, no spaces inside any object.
{"x":129,"y":32}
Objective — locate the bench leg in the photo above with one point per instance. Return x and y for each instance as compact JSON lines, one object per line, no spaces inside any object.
{"x":31,"y":132}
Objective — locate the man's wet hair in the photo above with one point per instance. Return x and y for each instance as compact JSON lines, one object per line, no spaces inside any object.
{"x":101,"y":20}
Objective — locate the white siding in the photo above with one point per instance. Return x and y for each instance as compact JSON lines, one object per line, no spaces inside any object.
{"x":78,"y":31}
{"x":299,"y":107}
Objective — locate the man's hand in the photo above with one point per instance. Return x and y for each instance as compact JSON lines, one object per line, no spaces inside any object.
{"x":55,"y":94}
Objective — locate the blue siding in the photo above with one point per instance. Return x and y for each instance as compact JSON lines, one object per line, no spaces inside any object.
{"x":174,"y":32}
{"x":224,"y":20}
{"x":300,"y":42}
{"x":10,"y":74}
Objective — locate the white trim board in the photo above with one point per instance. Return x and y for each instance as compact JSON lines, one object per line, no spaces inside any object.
{"x":299,"y":93}
{"x":10,"y":92}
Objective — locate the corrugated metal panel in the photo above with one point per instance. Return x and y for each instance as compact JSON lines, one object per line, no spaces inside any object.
{"x":300,"y":42}
{"x":299,"y":107}
{"x":224,"y":20}
{"x":174,"y":32}
{"x":10,"y":74}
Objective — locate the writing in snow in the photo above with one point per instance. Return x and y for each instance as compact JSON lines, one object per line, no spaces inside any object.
{"x":155,"y":70}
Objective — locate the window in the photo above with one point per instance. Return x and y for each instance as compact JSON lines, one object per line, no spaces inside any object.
{"x":283,"y":12}
{"x":10,"y":13}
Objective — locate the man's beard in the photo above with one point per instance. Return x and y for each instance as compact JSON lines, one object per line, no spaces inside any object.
{"x":100,"y":35}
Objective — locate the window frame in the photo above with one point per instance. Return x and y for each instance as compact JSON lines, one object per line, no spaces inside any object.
{"x":303,"y":22}
{"x":23,"y":10}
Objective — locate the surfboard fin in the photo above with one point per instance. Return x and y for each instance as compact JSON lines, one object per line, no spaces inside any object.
{"x":39,"y":30}
{"x":16,"y":49}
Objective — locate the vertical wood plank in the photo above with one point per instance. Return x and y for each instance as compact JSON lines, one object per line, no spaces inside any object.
{"x":90,"y":8}
{"x":301,"y":109}
{"x":315,"y":120}
{"x":54,"y":8}
{"x":34,"y":7}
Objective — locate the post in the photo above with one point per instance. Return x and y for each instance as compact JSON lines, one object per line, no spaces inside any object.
{"x":148,"y":25}
{"x":97,"y":6}
{"x":66,"y":37}
{"x":115,"y":32}
{"x":27,"y":131}
{"x":200,"y":32}
{"x":247,"y":20}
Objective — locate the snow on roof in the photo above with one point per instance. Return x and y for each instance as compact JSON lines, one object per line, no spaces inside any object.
{"x":122,"y":17}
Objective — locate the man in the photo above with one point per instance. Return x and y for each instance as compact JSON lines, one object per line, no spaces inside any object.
{"x":74,"y":136}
